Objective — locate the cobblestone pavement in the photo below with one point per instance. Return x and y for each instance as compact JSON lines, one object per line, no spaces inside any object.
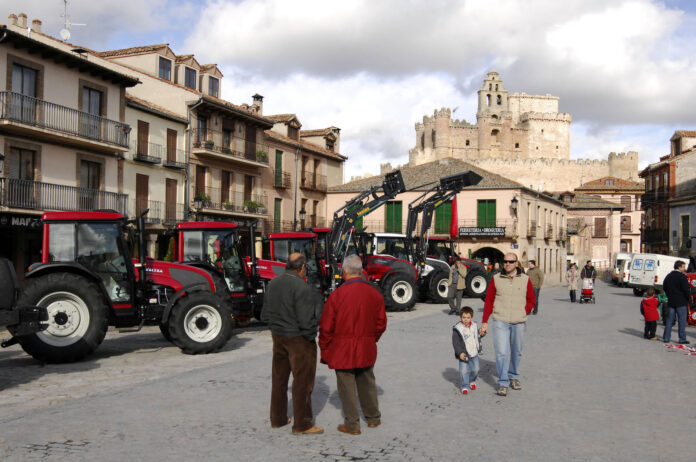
{"x":593,"y":390}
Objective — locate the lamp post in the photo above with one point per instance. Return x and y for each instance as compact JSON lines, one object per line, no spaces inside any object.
{"x":513,"y":205}
{"x":303,"y":215}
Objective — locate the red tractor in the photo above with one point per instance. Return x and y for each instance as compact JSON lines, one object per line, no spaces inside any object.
{"x":87,"y":281}
{"x":477,"y":278}
{"x":216,"y":248}
{"x":691,"y":318}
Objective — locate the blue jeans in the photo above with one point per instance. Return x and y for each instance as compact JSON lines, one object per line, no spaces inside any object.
{"x":536,"y":302}
{"x":468,"y":371}
{"x":507,"y":343}
{"x":680,"y":312}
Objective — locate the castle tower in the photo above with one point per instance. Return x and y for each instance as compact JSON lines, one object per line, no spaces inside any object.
{"x":493,"y":98}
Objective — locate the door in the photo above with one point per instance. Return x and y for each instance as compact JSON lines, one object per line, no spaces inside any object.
{"x":141,"y":193}
{"x":200,"y":184}
{"x":23,"y":103}
{"x":248,"y":188}
{"x":171,"y":145}
{"x":250,"y":144}
{"x":170,"y":200}
{"x":90,"y":182}
{"x":143,"y":137}
{"x":225,"y":189}
{"x":91,"y":107}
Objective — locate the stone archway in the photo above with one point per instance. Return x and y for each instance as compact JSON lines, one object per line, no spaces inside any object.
{"x":493,"y":255}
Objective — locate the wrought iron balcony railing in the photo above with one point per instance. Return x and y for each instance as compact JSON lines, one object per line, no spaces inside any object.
{"x":39,"y":113}
{"x":279,"y":226}
{"x":149,"y":152}
{"x":549,"y":232}
{"x":226,"y":200}
{"x":532,"y":228}
{"x":313,"y":182}
{"x":282,"y":180}
{"x":652,"y":236}
{"x":27,"y":194}
{"x":232,"y":146}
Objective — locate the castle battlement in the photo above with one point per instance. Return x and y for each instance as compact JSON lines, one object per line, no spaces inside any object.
{"x":524,"y":95}
{"x":560,"y":116}
{"x":461,"y":124}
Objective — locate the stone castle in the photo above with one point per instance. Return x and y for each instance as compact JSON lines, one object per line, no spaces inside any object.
{"x":519,"y":136}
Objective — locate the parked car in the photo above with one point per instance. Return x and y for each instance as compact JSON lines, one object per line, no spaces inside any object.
{"x":649,"y":270}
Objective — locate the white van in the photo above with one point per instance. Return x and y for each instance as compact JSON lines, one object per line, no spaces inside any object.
{"x":649,"y":270}
{"x":621,"y":257}
{"x":623,"y":273}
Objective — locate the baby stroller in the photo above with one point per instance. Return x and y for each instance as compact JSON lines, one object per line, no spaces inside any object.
{"x":587,"y":292}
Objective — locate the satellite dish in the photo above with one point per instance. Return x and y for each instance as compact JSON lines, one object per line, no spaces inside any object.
{"x":65,"y":35}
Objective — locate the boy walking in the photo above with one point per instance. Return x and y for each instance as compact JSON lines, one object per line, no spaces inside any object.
{"x":467,"y":346}
{"x":648,"y":306}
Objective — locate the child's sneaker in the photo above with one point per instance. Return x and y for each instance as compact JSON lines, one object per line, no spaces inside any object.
{"x":465,"y":391}
{"x":473,"y":386}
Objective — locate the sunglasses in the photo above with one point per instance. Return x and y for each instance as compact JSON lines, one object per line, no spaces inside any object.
{"x":510,"y":261}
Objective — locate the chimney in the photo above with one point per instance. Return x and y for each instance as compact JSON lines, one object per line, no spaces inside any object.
{"x":12,"y":19}
{"x":22,"y":20}
{"x":258,"y":103}
{"x":36,"y":25}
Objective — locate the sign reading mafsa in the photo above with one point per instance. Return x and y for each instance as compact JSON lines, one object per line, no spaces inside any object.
{"x":482,"y":232}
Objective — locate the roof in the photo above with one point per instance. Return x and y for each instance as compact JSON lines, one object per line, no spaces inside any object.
{"x":687,"y":133}
{"x":305,"y":145}
{"x":132,"y":50}
{"x":281,"y":117}
{"x":153,"y":108}
{"x":619,"y":183}
{"x":587,"y":202}
{"x":67,"y":58}
{"x":431,"y":172}
{"x":316,"y":132}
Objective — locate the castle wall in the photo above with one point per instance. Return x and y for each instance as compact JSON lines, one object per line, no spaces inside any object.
{"x":519,"y":103}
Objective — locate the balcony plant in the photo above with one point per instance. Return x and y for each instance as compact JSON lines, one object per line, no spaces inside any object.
{"x":203,"y":198}
{"x":254,"y":207}
{"x":262,"y":156}
{"x":196,"y":144}
{"x":209,"y":144}
{"x":227,"y":150}
{"x":227,"y":205}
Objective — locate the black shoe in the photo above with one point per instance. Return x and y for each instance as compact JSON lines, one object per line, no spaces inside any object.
{"x":534,"y":312}
{"x":685,"y":342}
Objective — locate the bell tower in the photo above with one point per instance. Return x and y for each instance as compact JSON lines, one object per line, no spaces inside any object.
{"x":493,"y":98}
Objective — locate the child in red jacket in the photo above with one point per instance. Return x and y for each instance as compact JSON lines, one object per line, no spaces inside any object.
{"x":648,"y":307}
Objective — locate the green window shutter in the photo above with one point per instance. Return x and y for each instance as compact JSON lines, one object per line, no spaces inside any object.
{"x":481,"y":214}
{"x":393,"y":217}
{"x":443,"y":217}
{"x":485,"y":217}
{"x":276,"y":215}
{"x":278,"y":180}
{"x":490,"y":213}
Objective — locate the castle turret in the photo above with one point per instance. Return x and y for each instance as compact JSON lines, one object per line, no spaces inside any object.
{"x":493,"y":98}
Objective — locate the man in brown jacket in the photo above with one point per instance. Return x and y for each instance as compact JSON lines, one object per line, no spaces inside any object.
{"x":457,"y":284}
{"x":537,"y":278}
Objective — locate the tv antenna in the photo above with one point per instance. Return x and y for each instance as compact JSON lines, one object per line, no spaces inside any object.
{"x":65,"y":32}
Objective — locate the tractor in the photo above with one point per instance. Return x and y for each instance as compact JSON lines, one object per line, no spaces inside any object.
{"x":88,"y":281}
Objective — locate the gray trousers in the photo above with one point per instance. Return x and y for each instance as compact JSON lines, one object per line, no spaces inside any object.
{"x":362,"y":380}
{"x":452,"y":295}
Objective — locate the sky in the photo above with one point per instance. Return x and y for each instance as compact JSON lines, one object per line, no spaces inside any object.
{"x":623,"y":69}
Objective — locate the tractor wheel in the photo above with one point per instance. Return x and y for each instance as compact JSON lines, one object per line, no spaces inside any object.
{"x":77,"y":318}
{"x":638,"y":292}
{"x":164,"y":328}
{"x":439,"y":287}
{"x":399,"y":292}
{"x":477,"y":283}
{"x":199,"y":323}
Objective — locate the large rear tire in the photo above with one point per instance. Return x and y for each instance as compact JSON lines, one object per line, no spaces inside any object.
{"x":399,"y":292}
{"x":438,"y":287}
{"x":77,"y":318}
{"x":477,"y":283}
{"x":199,"y":323}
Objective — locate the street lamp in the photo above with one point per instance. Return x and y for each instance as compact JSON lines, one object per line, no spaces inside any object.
{"x":513,"y":205}
{"x":303,"y":215}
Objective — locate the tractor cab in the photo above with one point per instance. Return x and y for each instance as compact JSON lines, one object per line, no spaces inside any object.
{"x":277,"y":248}
{"x":96,"y":241}
{"x":441,"y":249}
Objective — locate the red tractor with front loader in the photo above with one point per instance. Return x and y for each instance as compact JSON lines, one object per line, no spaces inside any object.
{"x":88,"y":281}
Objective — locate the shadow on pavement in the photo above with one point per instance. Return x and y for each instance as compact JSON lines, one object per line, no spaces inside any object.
{"x":625,"y":294}
{"x":29,"y":369}
{"x":629,"y":331}
{"x":486,"y":373}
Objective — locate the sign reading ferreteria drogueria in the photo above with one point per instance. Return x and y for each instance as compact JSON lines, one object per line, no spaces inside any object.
{"x":475,"y":231}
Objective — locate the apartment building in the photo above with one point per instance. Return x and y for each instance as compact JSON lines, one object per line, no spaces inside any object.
{"x":304,"y":164}
{"x":63,"y":134}
{"x":494,"y":217}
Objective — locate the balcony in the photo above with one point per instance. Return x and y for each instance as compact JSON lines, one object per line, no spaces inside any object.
{"x":227,"y":202}
{"x":626,"y":228}
{"x":218,"y":145}
{"x":652,"y":197}
{"x":282,"y":180}
{"x":27,"y":194}
{"x":279,"y":226}
{"x":561,"y":236}
{"x":149,"y":153}
{"x":654,"y":236}
{"x":159,"y":212}
{"x":315,"y":221}
{"x":549,"y":232}
{"x":40,"y":120}
{"x":531,"y":228}
{"x":314,"y":182}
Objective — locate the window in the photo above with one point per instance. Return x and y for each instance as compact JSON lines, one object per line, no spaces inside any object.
{"x":293,"y":133}
{"x":443,"y":218}
{"x":494,"y":136}
{"x":665,"y":180}
{"x":685,"y":230}
{"x":21,"y":164}
{"x":486,"y":213}
{"x":91,"y":104}
{"x":498,"y":100}
{"x":190,"y":78}
{"x":393,"y":217}
{"x":202,"y":130}
{"x":226,"y":138}
{"x":517,"y":145}
{"x":626,"y":224}
{"x":626,"y":202}
{"x":24,"y":80}
{"x":213,"y":87}
{"x":488,"y":100}
{"x":330,"y":145}
{"x":90,"y":174}
{"x":276,"y":214}
{"x":609,"y":182}
{"x":278,"y":180}
{"x":171,"y":145}
{"x":165,"y":69}
{"x":600,"y":227}
{"x":649,"y":184}
{"x":143,"y":138}
{"x":467,"y":142}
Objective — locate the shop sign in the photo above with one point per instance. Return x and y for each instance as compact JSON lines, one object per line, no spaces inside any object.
{"x":19,"y":221}
{"x":498,"y":231}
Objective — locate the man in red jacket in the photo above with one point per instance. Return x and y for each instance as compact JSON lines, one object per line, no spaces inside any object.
{"x":352,"y":322}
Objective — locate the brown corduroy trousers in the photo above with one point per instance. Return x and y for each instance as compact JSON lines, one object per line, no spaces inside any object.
{"x":299,"y":356}
{"x":362,"y":380}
